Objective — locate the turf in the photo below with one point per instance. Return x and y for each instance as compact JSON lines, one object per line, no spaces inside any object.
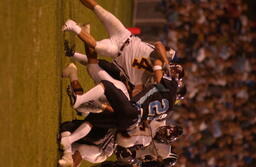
{"x":33,"y":100}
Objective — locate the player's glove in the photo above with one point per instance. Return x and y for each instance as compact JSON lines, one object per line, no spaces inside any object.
{"x":69,"y":51}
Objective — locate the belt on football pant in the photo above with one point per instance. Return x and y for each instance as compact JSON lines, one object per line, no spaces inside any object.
{"x":126,"y":42}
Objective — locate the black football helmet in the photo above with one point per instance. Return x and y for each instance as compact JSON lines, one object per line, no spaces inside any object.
{"x":168,"y":134}
{"x":174,"y":72}
{"x":127,"y":155}
{"x":170,"y":161}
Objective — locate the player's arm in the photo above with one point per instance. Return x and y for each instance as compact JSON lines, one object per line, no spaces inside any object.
{"x":161,"y":51}
{"x":159,"y":63}
{"x":158,"y":72}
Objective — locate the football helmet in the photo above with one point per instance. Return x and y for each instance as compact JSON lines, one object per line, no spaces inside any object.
{"x":127,"y":155}
{"x":168,"y":134}
{"x":170,"y":161}
{"x":176,"y":71}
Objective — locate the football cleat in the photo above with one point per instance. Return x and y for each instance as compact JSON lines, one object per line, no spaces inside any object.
{"x":69,"y":25}
{"x":65,"y":143}
{"x":168,"y":134}
{"x":69,"y":70}
{"x":71,"y":95}
{"x":66,"y":160}
{"x":69,"y":51}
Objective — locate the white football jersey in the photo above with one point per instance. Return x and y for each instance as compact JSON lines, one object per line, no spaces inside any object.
{"x":135,"y":61}
{"x":136,"y":137}
{"x":154,"y":125}
{"x":90,"y":153}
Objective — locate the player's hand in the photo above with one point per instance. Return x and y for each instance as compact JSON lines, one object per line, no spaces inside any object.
{"x":69,"y":51}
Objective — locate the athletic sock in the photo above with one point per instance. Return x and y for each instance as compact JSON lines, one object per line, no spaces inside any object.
{"x":80,"y":132}
{"x":68,"y":150}
{"x":77,"y":29}
{"x":93,"y":94}
{"x":73,"y":77}
{"x":81,"y":58}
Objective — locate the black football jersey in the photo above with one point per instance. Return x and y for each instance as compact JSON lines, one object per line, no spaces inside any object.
{"x":156,"y":100}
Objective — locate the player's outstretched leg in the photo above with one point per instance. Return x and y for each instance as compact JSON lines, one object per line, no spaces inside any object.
{"x":80,"y":132}
{"x":93,"y":94}
{"x":90,"y":52}
{"x":112,"y":24}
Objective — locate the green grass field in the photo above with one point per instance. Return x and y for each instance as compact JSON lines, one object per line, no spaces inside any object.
{"x":33,"y":99}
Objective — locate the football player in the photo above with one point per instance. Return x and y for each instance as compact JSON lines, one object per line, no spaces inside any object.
{"x":125,"y":118}
{"x":109,"y":67}
{"x":105,"y":119}
{"x":158,"y":150}
{"x":95,"y":147}
{"x":153,"y":104}
{"x":139,"y":60}
{"x":155,"y":100}
{"x":92,"y":140}
{"x":123,"y":99}
{"x":152,"y":155}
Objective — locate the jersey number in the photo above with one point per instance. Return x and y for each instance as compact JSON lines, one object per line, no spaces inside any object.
{"x":157,"y":108}
{"x":142,"y":64}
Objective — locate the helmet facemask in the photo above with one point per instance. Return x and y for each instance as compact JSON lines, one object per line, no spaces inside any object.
{"x":168,"y":134}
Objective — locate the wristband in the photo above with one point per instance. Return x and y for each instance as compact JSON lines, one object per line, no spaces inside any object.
{"x":157,"y":67}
